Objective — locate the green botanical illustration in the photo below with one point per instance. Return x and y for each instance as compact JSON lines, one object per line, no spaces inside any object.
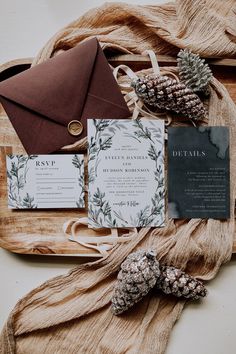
{"x":28,"y":202}
{"x":100,"y":211}
{"x":151,"y":213}
{"x":155,"y":211}
{"x":105,"y":130}
{"x":158,"y":172}
{"x":151,"y":133}
{"x":17,"y":171}
{"x":79,"y":164}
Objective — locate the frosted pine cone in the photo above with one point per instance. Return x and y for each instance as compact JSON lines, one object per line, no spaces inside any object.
{"x":176,"y":282}
{"x":169,"y":94}
{"x":193,"y":71}
{"x":138,"y":274}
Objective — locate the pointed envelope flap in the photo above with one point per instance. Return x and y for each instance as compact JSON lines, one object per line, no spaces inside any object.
{"x":75,"y":85}
{"x":56,"y":88}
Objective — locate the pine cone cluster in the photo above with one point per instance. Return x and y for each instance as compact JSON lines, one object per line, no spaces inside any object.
{"x":140,"y":272}
{"x":176,"y":282}
{"x":194,"y":72}
{"x":137,"y":276}
{"x":169,"y":94}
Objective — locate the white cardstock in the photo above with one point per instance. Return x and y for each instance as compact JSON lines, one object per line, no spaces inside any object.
{"x":126,"y":173}
{"x":45,"y":181}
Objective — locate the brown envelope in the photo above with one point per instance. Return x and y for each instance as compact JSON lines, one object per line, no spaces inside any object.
{"x":74,"y":85}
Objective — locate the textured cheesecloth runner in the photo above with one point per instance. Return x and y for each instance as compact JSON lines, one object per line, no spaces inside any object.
{"x":70,"y":313}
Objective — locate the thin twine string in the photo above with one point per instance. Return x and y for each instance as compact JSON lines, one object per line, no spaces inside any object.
{"x":139,"y":108}
{"x":102,"y":244}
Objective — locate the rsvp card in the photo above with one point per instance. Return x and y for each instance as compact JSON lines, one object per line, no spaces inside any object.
{"x":45,"y":181}
{"x":126,"y":173}
{"x":198,"y":172}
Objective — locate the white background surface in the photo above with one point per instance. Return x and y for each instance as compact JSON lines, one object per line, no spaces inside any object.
{"x":207,"y":328}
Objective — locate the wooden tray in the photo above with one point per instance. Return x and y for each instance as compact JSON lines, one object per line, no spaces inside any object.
{"x":39,"y":231}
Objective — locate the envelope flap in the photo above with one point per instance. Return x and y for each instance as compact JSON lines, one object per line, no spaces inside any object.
{"x":56,"y":88}
{"x":110,"y":94}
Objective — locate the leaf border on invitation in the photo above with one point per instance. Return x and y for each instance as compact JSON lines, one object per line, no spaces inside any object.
{"x":99,"y":210}
{"x":16,"y":181}
{"x":78,"y":163}
{"x":17,"y":167}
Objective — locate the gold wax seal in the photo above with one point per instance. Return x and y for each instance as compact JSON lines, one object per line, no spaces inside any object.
{"x":75,"y":127}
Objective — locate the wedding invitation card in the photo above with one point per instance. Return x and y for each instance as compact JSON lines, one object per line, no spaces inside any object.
{"x":45,"y":181}
{"x":198,"y":172}
{"x":126,"y":173}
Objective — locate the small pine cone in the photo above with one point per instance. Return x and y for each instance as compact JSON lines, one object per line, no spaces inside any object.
{"x":193,"y":71}
{"x":169,"y":94}
{"x":138,"y":274}
{"x":176,"y":282}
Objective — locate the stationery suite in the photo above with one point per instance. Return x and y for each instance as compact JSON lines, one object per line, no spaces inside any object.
{"x":126,"y":173}
{"x":45,"y":181}
{"x":126,"y":182}
{"x":57,"y":100}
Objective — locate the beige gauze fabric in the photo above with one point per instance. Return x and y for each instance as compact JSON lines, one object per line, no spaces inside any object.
{"x":70,"y":313}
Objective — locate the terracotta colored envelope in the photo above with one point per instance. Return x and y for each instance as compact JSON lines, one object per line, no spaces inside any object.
{"x":44,"y":99}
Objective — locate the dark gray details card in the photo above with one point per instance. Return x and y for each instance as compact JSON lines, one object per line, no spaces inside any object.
{"x":198,"y":172}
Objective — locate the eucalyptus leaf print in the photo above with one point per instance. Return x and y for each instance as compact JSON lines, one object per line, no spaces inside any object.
{"x":105,"y":130}
{"x":17,"y":169}
{"x":126,"y":173}
{"x":45,"y":181}
{"x":79,"y":164}
{"x":100,"y":210}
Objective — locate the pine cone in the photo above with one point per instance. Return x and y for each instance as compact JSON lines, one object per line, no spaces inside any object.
{"x":193,"y":71}
{"x":176,"y":282}
{"x":138,"y":274}
{"x":167,"y":93}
